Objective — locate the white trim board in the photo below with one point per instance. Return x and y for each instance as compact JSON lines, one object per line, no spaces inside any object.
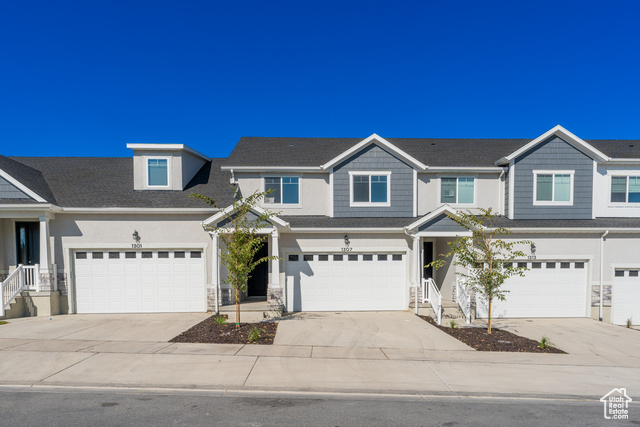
{"x":565,"y":135}
{"x":373,"y":139}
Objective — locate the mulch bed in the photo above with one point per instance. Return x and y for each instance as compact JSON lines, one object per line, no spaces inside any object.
{"x":208,"y":331}
{"x":499,"y":340}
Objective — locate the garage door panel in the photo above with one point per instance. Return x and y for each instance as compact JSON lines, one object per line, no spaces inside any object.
{"x":343,"y":285}
{"x":543,"y":292}
{"x":133,"y":285}
{"x":625,"y":297}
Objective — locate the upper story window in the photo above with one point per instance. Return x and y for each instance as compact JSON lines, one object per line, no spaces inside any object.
{"x":625,"y":189}
{"x":157,"y":172}
{"x":370,"y":188}
{"x":457,"y":190}
{"x":553,"y":187}
{"x":284,"y":190}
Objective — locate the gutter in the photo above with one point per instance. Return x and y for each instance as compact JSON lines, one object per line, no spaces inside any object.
{"x":414,"y":272}
{"x":602,"y":273}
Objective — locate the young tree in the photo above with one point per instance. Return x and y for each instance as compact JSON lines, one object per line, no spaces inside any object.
{"x":488,"y":259}
{"x":240,"y":241}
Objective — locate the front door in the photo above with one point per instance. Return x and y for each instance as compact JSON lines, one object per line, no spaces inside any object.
{"x":257,"y":284}
{"x":28,"y":243}
{"x":427,"y":253}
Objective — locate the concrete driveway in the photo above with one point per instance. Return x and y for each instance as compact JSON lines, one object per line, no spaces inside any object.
{"x":581,"y":337}
{"x":386,"y":330}
{"x":102,"y":327}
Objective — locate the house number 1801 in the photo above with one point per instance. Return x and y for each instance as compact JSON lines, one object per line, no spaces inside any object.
{"x":136,"y":245}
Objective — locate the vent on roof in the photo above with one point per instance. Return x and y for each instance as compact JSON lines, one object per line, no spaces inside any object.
{"x":433,"y":143}
{"x":291,"y":144}
{"x":632,"y":146}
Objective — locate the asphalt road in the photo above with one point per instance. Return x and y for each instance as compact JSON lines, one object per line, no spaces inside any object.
{"x":88,"y":407}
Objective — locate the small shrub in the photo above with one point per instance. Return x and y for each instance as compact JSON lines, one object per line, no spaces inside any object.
{"x":629,"y":322}
{"x":220,"y":320}
{"x":3,"y":322}
{"x":545,"y":342}
{"x":254,"y":334}
{"x":453,"y":324}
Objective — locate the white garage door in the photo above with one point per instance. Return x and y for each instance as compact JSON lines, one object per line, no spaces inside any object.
{"x":549,"y":289}
{"x":140,"y":281}
{"x":346,"y":282}
{"x":625,"y":297}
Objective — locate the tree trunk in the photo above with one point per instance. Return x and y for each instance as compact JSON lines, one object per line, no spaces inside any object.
{"x":237,"y":307}
{"x":489,"y":329}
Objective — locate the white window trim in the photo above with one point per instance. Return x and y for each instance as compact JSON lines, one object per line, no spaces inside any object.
{"x":456,"y":204}
{"x":281,"y":205}
{"x":617,"y":175}
{"x":571,"y":174}
{"x":146,"y":171}
{"x":369,"y":204}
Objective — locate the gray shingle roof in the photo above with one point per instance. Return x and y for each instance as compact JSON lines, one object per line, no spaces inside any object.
{"x":327,"y":222}
{"x":92,"y":182}
{"x":30,"y":177}
{"x":269,"y":151}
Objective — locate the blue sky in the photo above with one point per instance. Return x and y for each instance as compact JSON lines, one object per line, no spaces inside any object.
{"x":83,"y":78}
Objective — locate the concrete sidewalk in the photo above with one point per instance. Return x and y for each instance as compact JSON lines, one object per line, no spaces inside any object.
{"x":77,"y":358}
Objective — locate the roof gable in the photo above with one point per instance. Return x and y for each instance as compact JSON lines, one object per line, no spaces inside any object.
{"x":563,"y":134}
{"x":27,"y":180}
{"x":220,"y":219}
{"x":378,"y":140}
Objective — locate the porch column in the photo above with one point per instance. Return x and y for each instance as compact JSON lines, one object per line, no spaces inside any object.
{"x":275,"y":264}
{"x":215,"y":273}
{"x":415,"y":271}
{"x":44,"y":281}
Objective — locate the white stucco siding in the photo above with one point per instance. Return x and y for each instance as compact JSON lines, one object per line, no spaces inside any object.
{"x":487,"y":192}
{"x":315,"y":196}
{"x":85,"y":231}
{"x":602,"y":192}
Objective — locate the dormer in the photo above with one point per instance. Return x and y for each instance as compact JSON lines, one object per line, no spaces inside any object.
{"x":164,"y":166}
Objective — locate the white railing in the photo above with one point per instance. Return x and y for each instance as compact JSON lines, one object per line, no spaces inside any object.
{"x":14,"y":284}
{"x":463,"y":298}
{"x":31,"y":277}
{"x":431,"y":294}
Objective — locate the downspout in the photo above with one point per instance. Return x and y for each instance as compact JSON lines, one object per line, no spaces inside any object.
{"x":501,"y":189}
{"x":602,"y":273}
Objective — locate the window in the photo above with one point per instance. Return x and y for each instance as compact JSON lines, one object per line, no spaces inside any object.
{"x":370,"y":188}
{"x":114,"y":255}
{"x":579,"y":265}
{"x":551,"y":265}
{"x":382,"y":257}
{"x":158,"y":172}
{"x":81,"y":255}
{"x":178,"y":254}
{"x":147,"y":255}
{"x":536,"y":265}
{"x":619,"y":273}
{"x":367,"y":257}
{"x":307,"y":257}
{"x":633,"y":273}
{"x":196,"y":254}
{"x":163,"y":254}
{"x":96,"y":255}
{"x":323,"y":257}
{"x":553,"y":187}
{"x":293,"y":257}
{"x":129,"y":255}
{"x":337,"y":257}
{"x":625,"y":189}
{"x":284,"y":190}
{"x":457,"y":190}
{"x":522,"y":265}
{"x":396,"y":257}
{"x":565,"y":265}
{"x":352,"y":257}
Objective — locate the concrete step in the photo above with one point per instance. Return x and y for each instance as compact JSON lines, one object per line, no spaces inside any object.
{"x":14,"y":310}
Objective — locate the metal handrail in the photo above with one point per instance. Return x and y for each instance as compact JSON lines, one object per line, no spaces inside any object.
{"x":431,"y":294}
{"x":10,"y":287}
